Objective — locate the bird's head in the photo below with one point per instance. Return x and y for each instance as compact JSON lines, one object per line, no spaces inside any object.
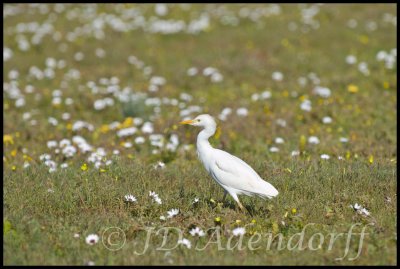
{"x":204,"y":120}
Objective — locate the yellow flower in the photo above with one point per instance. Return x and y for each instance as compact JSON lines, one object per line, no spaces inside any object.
{"x":84,"y":167}
{"x":103,"y":170}
{"x":14,"y":152}
{"x":371,"y":159}
{"x":363,"y":39}
{"x":14,"y":168}
{"x":294,"y":210}
{"x":27,"y":157}
{"x":217,"y":219}
{"x":253,"y":221}
{"x":275,"y":227}
{"x":238,"y":221}
{"x":104,"y":128}
{"x":127,"y":123}
{"x":232,"y":135}
{"x":285,"y":42}
{"x":8,"y":139}
{"x":302,"y":143}
{"x":218,"y":133}
{"x":386,"y":85}
{"x":352,"y":88}
{"x":303,"y":97}
{"x":249,"y":45}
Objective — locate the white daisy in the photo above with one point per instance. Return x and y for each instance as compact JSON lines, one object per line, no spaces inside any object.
{"x":323,"y":92}
{"x":295,"y":153}
{"x":242,"y":112}
{"x":192,"y":71}
{"x":239,"y":231}
{"x":126,"y":131}
{"x":139,"y":140}
{"x":255,"y":96}
{"x":197,"y":231}
{"x":325,"y":156}
{"x":273,"y":149}
{"x":278,"y":76}
{"x":313,"y":140}
{"x":52,"y":169}
{"x":363,"y":68}
{"x":265,"y":95}
{"x":351,"y":59}
{"x":64,"y":165}
{"x":185,"y":242}
{"x":158,"y":200}
{"x":159,"y":165}
{"x":326,"y":120}
{"x":155,"y":197}
{"x":64,"y":142}
{"x":147,"y":128}
{"x":92,"y":239}
{"x":306,"y":105}
{"x":356,"y":206}
{"x":281,"y":122}
{"x":216,"y":77}
{"x":360,"y":209}
{"x":279,"y":140}
{"x":172,"y":213}
{"x":52,"y":144}
{"x":364,"y":211}
{"x":130,"y":198}
{"x":127,"y":144}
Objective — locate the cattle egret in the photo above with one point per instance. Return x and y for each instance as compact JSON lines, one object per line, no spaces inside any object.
{"x":234,"y":175}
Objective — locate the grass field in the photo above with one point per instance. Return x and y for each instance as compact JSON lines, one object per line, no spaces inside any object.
{"x":305,"y":94}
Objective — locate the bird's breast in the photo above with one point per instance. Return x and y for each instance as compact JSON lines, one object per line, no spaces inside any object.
{"x":205,"y":159}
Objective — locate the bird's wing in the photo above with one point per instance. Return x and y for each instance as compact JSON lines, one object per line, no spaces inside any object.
{"x":233,"y":172}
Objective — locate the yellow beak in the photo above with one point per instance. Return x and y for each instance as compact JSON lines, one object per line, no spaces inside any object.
{"x":187,"y":122}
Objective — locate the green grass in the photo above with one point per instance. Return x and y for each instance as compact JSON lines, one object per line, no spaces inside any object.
{"x":315,"y":194}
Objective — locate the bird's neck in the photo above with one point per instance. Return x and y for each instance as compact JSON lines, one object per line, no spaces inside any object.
{"x":203,"y":136}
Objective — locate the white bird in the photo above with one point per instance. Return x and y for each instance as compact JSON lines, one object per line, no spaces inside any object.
{"x":232,"y":173}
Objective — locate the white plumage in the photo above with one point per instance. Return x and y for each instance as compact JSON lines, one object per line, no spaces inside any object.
{"x":232,"y":173}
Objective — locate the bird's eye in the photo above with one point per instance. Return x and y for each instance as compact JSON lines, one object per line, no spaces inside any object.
{"x":198,"y":120}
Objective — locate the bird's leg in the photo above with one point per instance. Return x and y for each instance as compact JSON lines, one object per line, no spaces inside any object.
{"x":241,"y":206}
{"x":236,"y":198}
{"x":225,"y":193}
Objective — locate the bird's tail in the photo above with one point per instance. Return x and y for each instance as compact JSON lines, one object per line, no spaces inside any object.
{"x":267,"y":191}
